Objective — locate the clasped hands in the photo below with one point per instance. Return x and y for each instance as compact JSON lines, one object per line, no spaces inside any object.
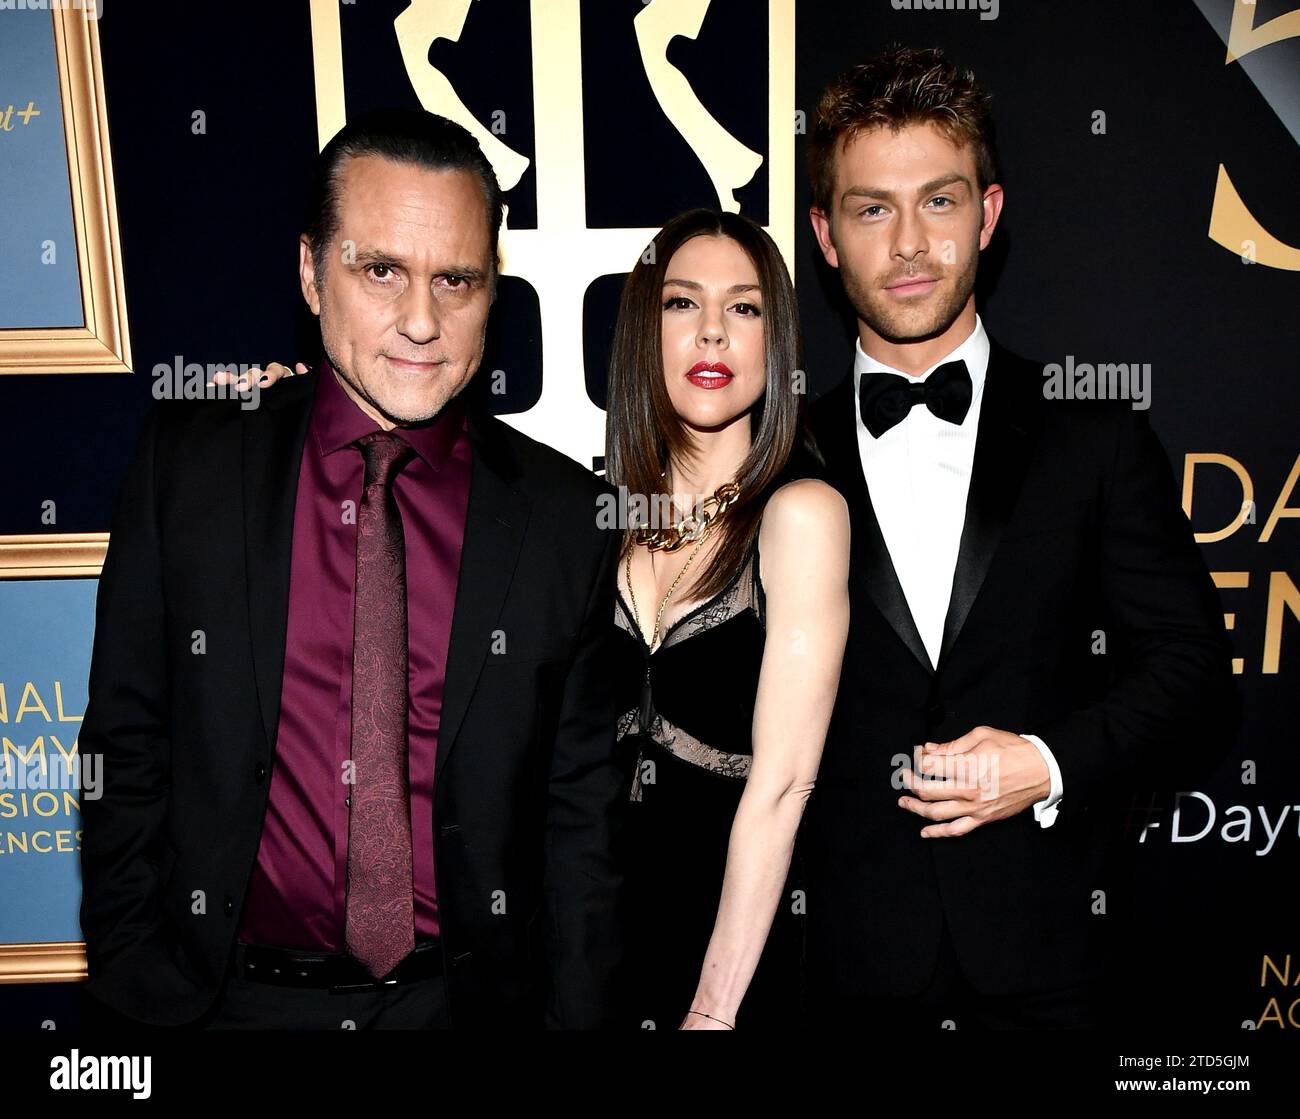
{"x":984,"y":775}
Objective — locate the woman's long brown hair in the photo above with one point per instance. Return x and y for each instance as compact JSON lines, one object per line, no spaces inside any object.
{"x":643,"y":431}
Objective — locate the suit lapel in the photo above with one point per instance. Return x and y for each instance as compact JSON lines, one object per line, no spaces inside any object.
{"x":273,"y":436}
{"x":835,"y":429}
{"x":494,"y":533}
{"x":1007,"y":429}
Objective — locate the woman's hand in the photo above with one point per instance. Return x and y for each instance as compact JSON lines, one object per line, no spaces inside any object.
{"x":263,"y":377}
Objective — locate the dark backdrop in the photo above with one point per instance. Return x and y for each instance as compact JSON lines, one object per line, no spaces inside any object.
{"x":1102,"y":253}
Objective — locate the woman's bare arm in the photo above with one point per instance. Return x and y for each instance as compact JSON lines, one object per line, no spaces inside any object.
{"x":804,"y":559}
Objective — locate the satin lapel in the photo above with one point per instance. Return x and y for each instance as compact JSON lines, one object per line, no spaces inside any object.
{"x":494,"y":533}
{"x":1003,"y":447}
{"x":835,"y":428}
{"x":273,"y":437}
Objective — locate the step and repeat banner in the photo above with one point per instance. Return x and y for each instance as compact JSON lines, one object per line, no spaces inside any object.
{"x":154,"y":161}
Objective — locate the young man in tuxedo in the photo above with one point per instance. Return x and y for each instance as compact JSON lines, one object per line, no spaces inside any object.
{"x":957,"y":839}
{"x":347,"y":638}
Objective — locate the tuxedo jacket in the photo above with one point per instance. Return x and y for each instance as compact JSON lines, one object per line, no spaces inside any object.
{"x":526,"y":777}
{"x":1081,"y":612}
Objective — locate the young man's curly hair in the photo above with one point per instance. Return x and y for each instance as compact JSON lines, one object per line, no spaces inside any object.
{"x":898,"y":87}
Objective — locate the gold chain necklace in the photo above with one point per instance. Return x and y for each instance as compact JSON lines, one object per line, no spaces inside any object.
{"x":658,"y":616}
{"x":693,"y":527}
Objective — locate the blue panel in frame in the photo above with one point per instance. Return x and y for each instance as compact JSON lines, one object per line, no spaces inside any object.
{"x":48,"y":627}
{"x":40,"y":285}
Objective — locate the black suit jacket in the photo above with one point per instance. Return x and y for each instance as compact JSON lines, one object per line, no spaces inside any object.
{"x":1072,"y":526}
{"x":526,"y":774}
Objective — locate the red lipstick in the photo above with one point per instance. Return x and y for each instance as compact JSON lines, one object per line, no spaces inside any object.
{"x":710,"y":375}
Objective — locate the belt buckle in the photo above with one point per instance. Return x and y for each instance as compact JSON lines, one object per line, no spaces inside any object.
{"x":400,"y":974}
{"x":347,"y":988}
{"x":369,"y":985}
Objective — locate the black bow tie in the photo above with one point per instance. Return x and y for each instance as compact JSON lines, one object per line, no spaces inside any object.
{"x":887,"y":398}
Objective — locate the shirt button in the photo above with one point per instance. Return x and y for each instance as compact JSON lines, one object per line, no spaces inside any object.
{"x":259,"y":774}
{"x":228,"y":906}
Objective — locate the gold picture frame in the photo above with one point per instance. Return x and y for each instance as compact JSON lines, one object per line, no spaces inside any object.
{"x":43,"y":963}
{"x":49,"y":556}
{"x":103,"y":344}
{"x":54,"y":555}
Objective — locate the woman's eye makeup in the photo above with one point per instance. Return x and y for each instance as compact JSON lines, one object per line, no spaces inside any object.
{"x":746,"y":309}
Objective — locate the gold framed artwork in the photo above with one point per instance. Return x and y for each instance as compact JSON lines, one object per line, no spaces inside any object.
{"x":47,"y":596}
{"x":62,"y":295}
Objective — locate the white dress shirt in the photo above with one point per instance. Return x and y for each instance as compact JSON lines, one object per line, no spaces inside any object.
{"x":918,"y":475}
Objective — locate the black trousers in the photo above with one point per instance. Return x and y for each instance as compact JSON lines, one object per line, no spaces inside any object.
{"x":248,"y":1005}
{"x":244,"y":1004}
{"x":950,"y":1002}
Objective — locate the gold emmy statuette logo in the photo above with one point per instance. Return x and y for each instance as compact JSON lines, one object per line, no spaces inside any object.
{"x":561,"y":257}
{"x":1232,"y":225}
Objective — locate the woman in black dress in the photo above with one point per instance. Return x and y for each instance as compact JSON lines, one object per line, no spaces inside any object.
{"x":733,"y":611}
{"x":732,"y":624}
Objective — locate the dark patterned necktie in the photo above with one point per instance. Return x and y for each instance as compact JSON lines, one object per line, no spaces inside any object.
{"x":886,"y":398}
{"x":380,"y":899}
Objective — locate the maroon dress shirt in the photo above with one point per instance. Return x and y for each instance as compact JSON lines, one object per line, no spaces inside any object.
{"x":297,"y":895}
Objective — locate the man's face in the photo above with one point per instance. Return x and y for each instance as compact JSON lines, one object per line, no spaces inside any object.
{"x":905,"y":228}
{"x":404,"y":289}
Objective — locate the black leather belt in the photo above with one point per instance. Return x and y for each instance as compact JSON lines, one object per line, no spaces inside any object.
{"x":336,"y":971}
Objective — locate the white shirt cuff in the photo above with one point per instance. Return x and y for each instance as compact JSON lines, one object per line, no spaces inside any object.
{"x":1045,"y":809}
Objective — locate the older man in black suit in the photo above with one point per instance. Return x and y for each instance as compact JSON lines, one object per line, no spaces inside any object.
{"x":348,"y":676}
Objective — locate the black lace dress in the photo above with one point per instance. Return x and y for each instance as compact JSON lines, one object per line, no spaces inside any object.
{"x":688,"y":712}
